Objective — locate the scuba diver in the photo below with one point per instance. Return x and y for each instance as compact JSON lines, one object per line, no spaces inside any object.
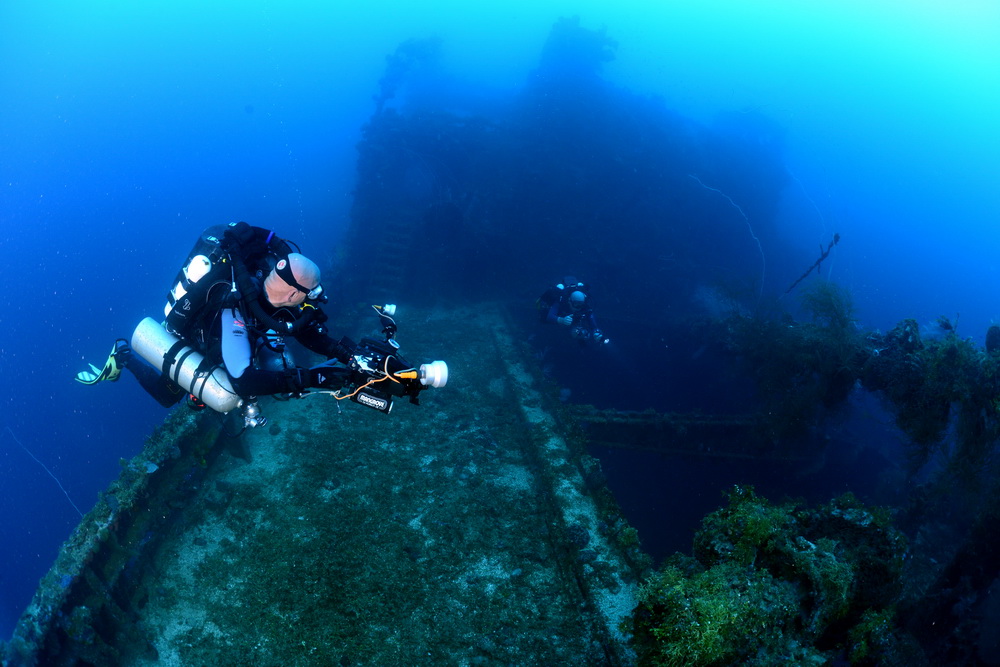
{"x":568,"y":305}
{"x":240,"y":293}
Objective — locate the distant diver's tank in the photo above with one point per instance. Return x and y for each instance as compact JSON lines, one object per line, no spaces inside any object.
{"x":182,"y":364}
{"x":993,"y":339}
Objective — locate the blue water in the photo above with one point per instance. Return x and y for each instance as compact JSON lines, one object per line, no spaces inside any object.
{"x":125,"y":128}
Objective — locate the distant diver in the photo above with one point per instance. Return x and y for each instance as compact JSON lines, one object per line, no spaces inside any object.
{"x":568,"y":305}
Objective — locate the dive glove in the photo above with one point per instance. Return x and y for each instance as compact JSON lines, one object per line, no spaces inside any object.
{"x":328,"y":375}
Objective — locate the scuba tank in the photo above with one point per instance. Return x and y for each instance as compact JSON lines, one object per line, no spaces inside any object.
{"x":183,"y":366}
{"x":207,"y":252}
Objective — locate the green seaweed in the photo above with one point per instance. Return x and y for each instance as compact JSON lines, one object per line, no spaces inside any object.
{"x":717,"y":616}
{"x":943,"y":390}
{"x":772,"y":584}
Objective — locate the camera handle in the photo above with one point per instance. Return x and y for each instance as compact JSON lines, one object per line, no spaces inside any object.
{"x":389,"y":329}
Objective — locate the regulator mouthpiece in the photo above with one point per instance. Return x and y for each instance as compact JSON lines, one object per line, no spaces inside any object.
{"x":434,"y":374}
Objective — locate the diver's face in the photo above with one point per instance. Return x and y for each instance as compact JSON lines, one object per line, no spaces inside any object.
{"x":575,"y":305}
{"x":280,"y":294}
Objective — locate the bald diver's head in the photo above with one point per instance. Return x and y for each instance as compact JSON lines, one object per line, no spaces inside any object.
{"x":291,"y":280}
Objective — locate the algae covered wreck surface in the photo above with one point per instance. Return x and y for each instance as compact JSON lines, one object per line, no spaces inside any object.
{"x":456,"y":532}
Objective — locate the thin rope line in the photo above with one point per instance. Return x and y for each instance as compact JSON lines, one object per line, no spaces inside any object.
{"x":46,"y":470}
{"x":763,"y":259}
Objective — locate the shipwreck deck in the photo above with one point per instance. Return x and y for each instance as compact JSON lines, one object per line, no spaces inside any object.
{"x":466,"y":531}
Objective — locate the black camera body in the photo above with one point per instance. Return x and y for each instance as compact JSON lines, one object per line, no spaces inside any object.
{"x":372,"y":381}
{"x":375,"y":372}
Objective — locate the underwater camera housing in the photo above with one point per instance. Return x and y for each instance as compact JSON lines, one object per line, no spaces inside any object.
{"x":377,"y":372}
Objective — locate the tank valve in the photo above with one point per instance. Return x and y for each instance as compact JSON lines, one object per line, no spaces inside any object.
{"x":252,"y":417}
